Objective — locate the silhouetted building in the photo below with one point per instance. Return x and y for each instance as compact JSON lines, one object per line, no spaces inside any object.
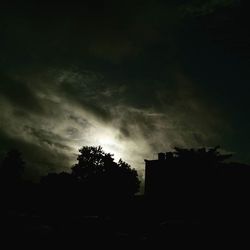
{"x":162,"y":175}
{"x":192,"y":175}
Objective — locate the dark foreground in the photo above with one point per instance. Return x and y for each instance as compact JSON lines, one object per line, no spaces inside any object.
{"x":135,"y":222}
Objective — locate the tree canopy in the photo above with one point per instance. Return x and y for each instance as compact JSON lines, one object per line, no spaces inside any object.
{"x":12,"y":166}
{"x":101,"y":175}
{"x":211,"y":155}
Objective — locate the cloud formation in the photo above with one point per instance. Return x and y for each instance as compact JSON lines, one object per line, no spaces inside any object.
{"x":71,"y":108}
{"x":137,"y":78}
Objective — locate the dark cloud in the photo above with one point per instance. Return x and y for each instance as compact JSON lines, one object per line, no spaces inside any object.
{"x":200,"y":8}
{"x":39,"y":159}
{"x":18,"y":94}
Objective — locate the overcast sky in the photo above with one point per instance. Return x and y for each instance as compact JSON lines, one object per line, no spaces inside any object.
{"x":136,"y":77}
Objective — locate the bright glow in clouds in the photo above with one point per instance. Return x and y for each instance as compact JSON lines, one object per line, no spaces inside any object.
{"x":110,"y":140}
{"x":105,"y":137}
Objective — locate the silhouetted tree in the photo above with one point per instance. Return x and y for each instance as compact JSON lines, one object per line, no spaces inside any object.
{"x":101,"y":175}
{"x":207,"y":156}
{"x":12,"y":167}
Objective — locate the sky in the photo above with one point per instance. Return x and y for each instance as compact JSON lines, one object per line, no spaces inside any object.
{"x":136,"y":77}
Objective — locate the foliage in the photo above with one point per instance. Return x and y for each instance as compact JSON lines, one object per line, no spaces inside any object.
{"x":12,"y":166}
{"x":101,"y":175}
{"x":204,"y":155}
